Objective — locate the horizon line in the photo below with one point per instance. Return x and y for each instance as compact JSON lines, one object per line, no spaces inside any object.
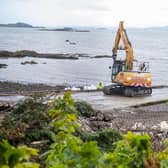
{"x":91,"y":26}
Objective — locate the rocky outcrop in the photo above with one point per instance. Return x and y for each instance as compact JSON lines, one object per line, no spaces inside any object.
{"x":3,"y":65}
{"x":21,"y":53}
{"x":102,"y":56}
{"x":28,"y":62}
{"x":29,"y":53}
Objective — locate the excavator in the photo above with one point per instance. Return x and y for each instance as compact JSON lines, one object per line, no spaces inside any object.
{"x":129,"y":77}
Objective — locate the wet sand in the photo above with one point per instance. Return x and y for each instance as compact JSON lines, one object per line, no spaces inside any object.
{"x":107,"y":103}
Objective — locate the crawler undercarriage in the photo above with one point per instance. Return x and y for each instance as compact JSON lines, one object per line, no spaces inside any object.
{"x":127,"y":90}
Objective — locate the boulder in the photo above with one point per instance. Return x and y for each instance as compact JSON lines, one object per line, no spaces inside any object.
{"x":3,"y":65}
{"x":28,"y":62}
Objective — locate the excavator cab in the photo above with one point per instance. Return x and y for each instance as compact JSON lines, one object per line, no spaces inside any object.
{"x":118,"y":66}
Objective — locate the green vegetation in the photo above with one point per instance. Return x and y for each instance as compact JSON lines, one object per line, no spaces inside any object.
{"x":69,"y":147}
{"x":106,"y":139}
{"x":11,"y":157}
{"x":132,"y":151}
{"x":26,"y":123}
{"x":84,"y":109}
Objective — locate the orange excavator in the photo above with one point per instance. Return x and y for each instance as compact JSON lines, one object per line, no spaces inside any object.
{"x":129,"y":77}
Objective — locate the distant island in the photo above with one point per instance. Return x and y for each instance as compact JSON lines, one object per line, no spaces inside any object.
{"x":68,"y":29}
{"x":20,"y":25}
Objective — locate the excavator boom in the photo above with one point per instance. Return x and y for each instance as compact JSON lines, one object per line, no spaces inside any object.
{"x":122,"y":35}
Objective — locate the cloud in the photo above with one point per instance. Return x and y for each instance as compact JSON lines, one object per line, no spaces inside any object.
{"x":85,"y":12}
{"x":94,"y":5}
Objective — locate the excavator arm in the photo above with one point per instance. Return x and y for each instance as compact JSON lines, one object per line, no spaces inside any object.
{"x":121,"y":34}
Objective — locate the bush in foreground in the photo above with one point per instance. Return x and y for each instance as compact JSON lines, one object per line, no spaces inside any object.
{"x":28,"y":122}
{"x":12,"y":157}
{"x":106,"y":138}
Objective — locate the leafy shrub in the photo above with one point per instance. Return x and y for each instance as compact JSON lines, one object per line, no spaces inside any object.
{"x":163,"y":156}
{"x":11,"y":157}
{"x":132,"y":151}
{"x":106,"y":139}
{"x":27,"y":123}
{"x":67,"y":149}
{"x":84,"y":109}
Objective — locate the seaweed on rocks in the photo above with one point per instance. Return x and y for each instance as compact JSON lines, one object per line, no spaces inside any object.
{"x":84,"y":109}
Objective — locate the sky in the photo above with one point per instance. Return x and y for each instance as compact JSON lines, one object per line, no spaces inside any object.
{"x":103,"y":13}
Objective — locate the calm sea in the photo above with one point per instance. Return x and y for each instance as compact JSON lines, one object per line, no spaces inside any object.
{"x":150,"y":45}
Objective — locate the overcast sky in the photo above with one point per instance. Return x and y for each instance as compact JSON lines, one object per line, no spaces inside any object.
{"x":143,"y":13}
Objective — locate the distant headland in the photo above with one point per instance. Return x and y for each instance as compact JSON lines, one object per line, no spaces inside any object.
{"x":20,"y":25}
{"x":25,"y":25}
{"x":69,"y":29}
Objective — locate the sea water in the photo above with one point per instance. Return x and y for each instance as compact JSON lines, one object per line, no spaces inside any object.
{"x":150,"y":45}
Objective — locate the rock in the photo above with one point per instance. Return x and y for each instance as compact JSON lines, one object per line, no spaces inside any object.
{"x":154,"y":127}
{"x":4,"y":106}
{"x":72,"y":43}
{"x":100,"y":116}
{"x":139,"y":126}
{"x":85,"y":124}
{"x":164,"y":126}
{"x":3,"y":65}
{"x":102,"y":56}
{"x":28,"y":62}
{"x":108,"y":117}
{"x":97,"y":125}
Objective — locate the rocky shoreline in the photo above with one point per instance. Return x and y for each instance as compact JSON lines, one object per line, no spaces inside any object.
{"x":151,"y":119}
{"x":31,"y":53}
{"x":19,"y":88}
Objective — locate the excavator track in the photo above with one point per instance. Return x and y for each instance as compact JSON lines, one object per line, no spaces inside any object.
{"x":127,"y":91}
{"x":137,"y":91}
{"x":112,"y":89}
